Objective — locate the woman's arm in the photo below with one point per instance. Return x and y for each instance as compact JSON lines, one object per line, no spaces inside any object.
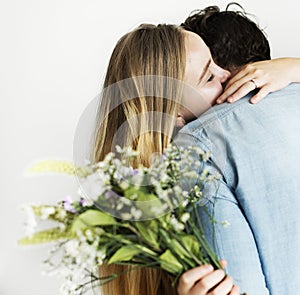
{"x":268,"y":76}
{"x":203,"y":280}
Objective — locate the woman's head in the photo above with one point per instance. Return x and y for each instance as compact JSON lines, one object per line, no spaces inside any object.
{"x":144,"y":89}
{"x":203,"y":78}
{"x":138,"y":103}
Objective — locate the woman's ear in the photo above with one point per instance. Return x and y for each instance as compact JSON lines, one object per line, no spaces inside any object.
{"x":180,"y":122}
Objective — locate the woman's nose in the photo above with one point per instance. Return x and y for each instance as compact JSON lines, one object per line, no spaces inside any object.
{"x":221,"y":74}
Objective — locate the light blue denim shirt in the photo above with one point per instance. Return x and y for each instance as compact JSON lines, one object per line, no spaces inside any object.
{"x":256,"y":149}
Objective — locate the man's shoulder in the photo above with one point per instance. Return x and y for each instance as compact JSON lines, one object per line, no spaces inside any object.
{"x":226,"y":112}
{"x":214,"y":116}
{"x":292,"y":89}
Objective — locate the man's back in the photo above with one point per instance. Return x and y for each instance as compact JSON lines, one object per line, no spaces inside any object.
{"x":256,"y":148}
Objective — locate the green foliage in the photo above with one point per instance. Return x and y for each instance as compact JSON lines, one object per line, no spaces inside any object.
{"x":92,"y":218}
{"x":139,"y":194}
{"x":191,"y":244}
{"x":125,"y":253}
{"x":149,"y":232}
{"x":170,"y":263}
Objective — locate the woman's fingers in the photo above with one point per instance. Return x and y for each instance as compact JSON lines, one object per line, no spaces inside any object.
{"x":225,"y":287}
{"x":268,"y":76}
{"x":263,"y":92}
{"x":223,"y":263}
{"x":235,"y":290}
{"x":238,"y":89}
{"x":238,"y":81}
{"x":242,"y":91}
{"x":190,"y":277}
{"x":204,"y":280}
{"x":209,"y":281}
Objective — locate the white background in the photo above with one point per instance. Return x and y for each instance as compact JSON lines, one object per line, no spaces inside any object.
{"x":53,"y":56}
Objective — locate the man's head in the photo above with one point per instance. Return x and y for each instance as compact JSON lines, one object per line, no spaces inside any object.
{"x":234,"y":39}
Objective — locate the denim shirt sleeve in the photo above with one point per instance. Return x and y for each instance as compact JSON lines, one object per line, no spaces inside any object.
{"x":235,"y":243}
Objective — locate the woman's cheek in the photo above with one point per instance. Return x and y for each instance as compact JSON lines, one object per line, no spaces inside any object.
{"x":211,"y":91}
{"x":193,"y":105}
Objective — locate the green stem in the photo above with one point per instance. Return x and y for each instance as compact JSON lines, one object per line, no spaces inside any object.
{"x":201,"y":238}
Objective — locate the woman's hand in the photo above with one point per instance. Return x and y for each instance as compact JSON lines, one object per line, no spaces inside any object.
{"x":268,"y":75}
{"x":204,"y":280}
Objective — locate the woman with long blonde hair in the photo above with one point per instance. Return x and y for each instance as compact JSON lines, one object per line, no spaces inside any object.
{"x":148,"y":73}
{"x":144,"y":98}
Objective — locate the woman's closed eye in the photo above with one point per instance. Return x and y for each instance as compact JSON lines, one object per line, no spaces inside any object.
{"x":210,"y":78}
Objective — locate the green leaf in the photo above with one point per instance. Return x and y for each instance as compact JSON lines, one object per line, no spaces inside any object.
{"x":182,"y":252}
{"x":191,"y":243}
{"x":149,"y":231}
{"x":145,"y":201}
{"x":46,"y":236}
{"x":178,"y":249}
{"x":132,"y":193}
{"x":139,"y":194}
{"x":125,"y":253}
{"x":92,"y":218}
{"x":169,"y":263}
{"x":146,"y":197}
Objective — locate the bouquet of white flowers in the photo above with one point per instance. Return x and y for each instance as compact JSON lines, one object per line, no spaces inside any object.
{"x":146,"y":217}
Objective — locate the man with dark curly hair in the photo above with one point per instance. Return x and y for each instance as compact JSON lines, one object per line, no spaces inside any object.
{"x":233,"y":38}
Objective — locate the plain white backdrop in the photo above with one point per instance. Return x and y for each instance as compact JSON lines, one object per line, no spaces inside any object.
{"x":53,"y":56}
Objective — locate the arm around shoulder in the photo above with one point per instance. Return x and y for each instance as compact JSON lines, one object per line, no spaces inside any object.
{"x":267,"y":75}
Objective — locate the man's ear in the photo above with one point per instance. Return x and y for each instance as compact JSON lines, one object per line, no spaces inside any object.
{"x":180,"y":122}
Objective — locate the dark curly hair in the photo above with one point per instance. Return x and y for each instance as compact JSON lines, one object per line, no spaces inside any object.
{"x":234,"y":39}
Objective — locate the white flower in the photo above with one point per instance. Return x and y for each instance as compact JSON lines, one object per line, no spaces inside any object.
{"x":138,"y":178}
{"x":206,"y":156}
{"x":159,"y":210}
{"x":72,"y":248}
{"x":120,"y":205}
{"x":61,"y":213}
{"x":107,"y":159}
{"x":128,"y":152}
{"x":124,"y":185}
{"x":176,"y":224}
{"x":136,"y":214}
{"x":78,"y":259}
{"x":89,"y":235}
{"x":126,"y":216}
{"x":185,"y":217}
{"x":225,"y":223}
{"x":185,"y":203}
{"x":94,"y":185}
{"x":46,"y":212}
{"x":68,"y":287}
{"x":100,"y":257}
{"x":163,"y":194}
{"x":164,"y":178}
{"x":125,"y":201}
{"x":87,"y":202}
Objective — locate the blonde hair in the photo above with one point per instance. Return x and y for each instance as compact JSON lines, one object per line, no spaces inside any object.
{"x":138,"y":108}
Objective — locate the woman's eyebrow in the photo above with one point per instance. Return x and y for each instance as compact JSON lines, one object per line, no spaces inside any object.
{"x":204,"y":71}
